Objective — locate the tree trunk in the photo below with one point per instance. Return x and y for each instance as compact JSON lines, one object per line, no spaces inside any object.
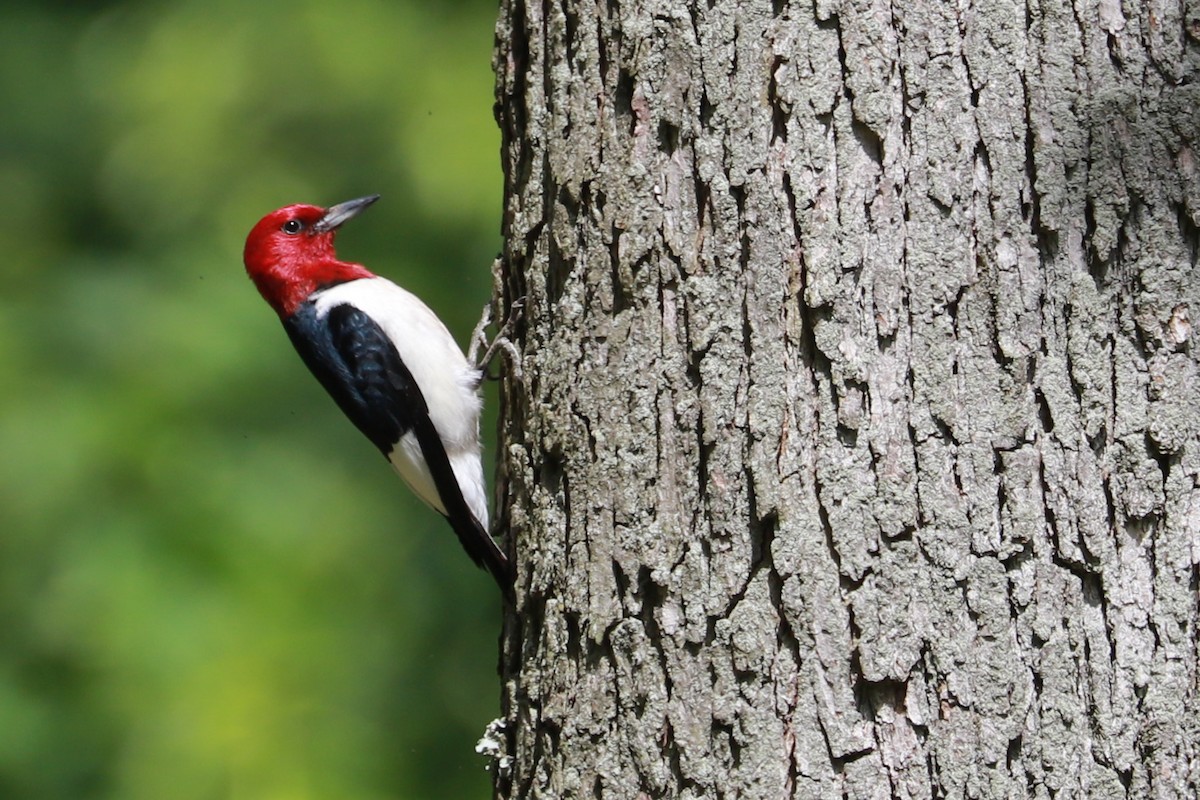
{"x":856,"y":447}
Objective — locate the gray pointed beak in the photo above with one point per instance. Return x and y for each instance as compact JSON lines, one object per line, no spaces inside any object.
{"x":336,"y":215}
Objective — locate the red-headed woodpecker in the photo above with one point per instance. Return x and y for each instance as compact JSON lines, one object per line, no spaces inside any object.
{"x":387,"y":360}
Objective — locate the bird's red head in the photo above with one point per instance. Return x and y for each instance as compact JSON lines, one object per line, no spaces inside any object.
{"x":289,"y":254}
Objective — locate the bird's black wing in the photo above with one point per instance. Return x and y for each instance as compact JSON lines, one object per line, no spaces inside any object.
{"x":358,"y":365}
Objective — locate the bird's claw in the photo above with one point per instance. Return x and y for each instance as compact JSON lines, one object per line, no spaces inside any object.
{"x":500,"y":342}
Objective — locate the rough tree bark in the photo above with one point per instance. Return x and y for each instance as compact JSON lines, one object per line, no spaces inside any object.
{"x":857,"y":446}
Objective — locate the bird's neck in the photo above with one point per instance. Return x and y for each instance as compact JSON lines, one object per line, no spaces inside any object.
{"x":288,"y":285}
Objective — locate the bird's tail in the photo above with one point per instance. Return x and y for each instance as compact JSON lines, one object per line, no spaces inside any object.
{"x":482,"y":549}
{"x":475,"y":539}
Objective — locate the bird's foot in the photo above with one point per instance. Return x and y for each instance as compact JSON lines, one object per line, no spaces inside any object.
{"x":499,"y":343}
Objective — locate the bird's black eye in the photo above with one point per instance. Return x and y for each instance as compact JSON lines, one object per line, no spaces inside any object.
{"x":293,"y":226}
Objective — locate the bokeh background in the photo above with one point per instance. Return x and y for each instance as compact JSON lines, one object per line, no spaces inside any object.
{"x":210,"y":585}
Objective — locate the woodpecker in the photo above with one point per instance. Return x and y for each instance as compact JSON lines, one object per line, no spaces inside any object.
{"x":386,"y":359}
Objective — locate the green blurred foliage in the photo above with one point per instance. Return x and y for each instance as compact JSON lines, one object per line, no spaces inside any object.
{"x":210,"y":585}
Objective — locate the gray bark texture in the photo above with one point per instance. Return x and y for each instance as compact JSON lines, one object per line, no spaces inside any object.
{"x":856,"y":447}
